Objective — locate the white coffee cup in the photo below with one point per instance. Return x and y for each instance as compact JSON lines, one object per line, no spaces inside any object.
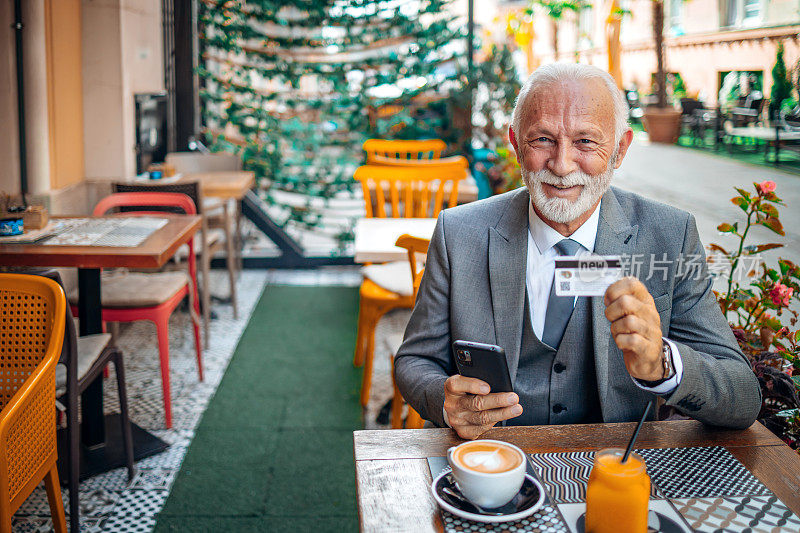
{"x":489,"y":473}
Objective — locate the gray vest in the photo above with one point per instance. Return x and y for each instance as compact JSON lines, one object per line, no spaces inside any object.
{"x":558,"y":387}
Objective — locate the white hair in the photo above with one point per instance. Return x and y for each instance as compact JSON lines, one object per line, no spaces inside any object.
{"x":563,"y":72}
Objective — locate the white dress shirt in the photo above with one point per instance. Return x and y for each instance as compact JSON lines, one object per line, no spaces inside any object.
{"x":539,"y":279}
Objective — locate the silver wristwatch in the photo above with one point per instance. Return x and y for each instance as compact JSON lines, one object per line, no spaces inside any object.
{"x":666,"y":361}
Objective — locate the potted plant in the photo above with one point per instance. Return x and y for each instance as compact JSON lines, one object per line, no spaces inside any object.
{"x":757,"y":300}
{"x":662,"y":122}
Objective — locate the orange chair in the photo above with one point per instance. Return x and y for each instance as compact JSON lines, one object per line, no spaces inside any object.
{"x":153,"y":296}
{"x":32,"y":310}
{"x":403,"y":150}
{"x":417,"y":190}
{"x":416,"y":247}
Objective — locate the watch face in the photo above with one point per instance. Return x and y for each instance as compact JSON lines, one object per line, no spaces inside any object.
{"x":669,"y":369}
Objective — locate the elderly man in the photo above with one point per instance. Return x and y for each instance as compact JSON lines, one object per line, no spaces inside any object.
{"x":489,"y":277}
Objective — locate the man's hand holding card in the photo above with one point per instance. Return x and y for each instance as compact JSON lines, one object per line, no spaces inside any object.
{"x":635,"y":324}
{"x":586,"y":275}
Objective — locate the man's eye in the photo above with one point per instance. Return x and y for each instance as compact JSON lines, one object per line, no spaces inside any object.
{"x":541,"y":140}
{"x":584,"y":141}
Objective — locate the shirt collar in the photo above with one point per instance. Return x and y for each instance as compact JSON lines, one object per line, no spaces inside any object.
{"x":546,"y":237}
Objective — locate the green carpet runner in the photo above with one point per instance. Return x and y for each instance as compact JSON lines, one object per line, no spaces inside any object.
{"x":274,"y":450}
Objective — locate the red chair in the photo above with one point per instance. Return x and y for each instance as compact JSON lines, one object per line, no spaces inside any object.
{"x":157,"y":294}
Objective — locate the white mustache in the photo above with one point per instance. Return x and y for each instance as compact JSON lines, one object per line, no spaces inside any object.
{"x":570,"y":180}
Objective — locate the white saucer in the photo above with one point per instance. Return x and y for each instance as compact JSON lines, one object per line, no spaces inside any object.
{"x":485,"y":518}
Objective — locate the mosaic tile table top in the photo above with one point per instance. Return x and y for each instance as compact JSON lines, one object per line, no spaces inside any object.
{"x":125,"y":231}
{"x":693,"y":489}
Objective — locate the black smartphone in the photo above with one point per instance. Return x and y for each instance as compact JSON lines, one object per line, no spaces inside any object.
{"x":486,"y":362}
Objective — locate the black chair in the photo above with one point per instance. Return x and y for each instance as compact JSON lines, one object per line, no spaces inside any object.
{"x":82,"y":361}
{"x":689,"y":117}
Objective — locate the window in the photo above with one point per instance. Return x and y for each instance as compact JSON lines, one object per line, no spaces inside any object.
{"x":675,"y":17}
{"x":740,"y":13}
{"x":752,"y":12}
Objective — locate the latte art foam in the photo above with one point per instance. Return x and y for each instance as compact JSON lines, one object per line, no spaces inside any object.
{"x":485,"y":460}
{"x":487,"y":457}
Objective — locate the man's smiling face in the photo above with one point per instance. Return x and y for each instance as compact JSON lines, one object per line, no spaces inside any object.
{"x":567,"y":149}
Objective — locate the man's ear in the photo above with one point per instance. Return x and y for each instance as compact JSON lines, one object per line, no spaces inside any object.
{"x":622,"y":148}
{"x":513,"y":139}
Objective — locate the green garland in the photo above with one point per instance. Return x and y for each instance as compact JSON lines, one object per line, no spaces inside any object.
{"x":312,"y":144}
{"x":315,"y":15}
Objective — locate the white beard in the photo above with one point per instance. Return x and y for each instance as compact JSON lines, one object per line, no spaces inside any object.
{"x":562,"y":210}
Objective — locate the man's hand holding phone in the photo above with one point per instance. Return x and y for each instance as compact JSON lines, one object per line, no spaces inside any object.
{"x":473,"y":409}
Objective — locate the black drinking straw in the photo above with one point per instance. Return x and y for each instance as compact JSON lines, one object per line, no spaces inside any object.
{"x":636,"y":433}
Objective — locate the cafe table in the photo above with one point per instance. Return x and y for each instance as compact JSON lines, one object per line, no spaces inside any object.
{"x":393,"y":477}
{"x":375,"y":237}
{"x":226,"y":185}
{"x":222,"y":185}
{"x":102,"y":450}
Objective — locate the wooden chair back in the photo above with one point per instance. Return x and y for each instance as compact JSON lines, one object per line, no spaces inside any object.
{"x":403,"y":150}
{"x":414,"y":191}
{"x":417,"y":248}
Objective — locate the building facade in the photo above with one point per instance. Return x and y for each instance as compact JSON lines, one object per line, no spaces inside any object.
{"x":704,"y":40}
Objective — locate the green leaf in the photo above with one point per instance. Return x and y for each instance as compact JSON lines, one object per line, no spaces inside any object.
{"x":769,"y":209}
{"x":774,"y":224}
{"x":743,"y":192}
{"x":772,"y":323}
{"x":773,"y":274}
{"x":717,"y":248}
{"x":743,"y":203}
{"x":725,"y":227}
{"x":765,"y":247}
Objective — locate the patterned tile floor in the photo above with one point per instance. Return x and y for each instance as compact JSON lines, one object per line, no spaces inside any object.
{"x":108,"y":502}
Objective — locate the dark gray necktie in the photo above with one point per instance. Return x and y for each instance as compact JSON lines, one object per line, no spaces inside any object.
{"x":559,"y":308}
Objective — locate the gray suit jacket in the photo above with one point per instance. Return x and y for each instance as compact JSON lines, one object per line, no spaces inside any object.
{"x":474,"y":289}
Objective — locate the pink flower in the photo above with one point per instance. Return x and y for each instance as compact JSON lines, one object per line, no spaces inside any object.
{"x":781,"y":294}
{"x":766,"y":186}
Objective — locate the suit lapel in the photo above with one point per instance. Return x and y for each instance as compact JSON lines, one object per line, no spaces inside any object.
{"x":615,"y":236}
{"x":508,"y":254}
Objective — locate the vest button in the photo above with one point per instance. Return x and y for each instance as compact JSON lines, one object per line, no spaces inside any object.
{"x":557,"y":408}
{"x":559,"y":367}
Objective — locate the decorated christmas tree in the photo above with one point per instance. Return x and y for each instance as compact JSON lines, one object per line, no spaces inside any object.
{"x":295,"y":87}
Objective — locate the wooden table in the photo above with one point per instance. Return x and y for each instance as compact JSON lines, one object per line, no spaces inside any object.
{"x":393,"y":479}
{"x":224,"y":184}
{"x":227,"y":185}
{"x":100,"y":452}
{"x":375,"y":237}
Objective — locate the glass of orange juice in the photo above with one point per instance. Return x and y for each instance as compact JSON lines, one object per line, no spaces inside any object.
{"x":618,"y":494}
